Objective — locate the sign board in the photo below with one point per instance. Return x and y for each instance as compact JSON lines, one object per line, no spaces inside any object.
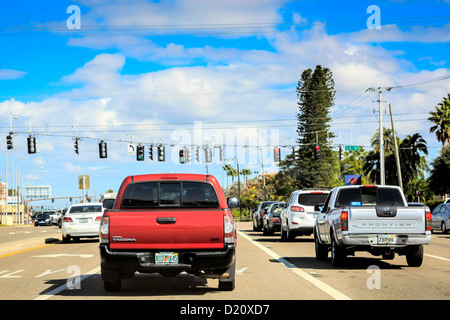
{"x":3,"y":191}
{"x":352,"y":179}
{"x":83,"y":180}
{"x":131,"y":149}
{"x":351,"y":148}
{"x":37,"y":191}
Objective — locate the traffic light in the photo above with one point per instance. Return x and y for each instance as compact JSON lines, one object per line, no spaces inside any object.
{"x":182,"y":156}
{"x":161,"y":153}
{"x":75,"y":145}
{"x":150,"y":152}
{"x":9,"y":141}
{"x":188,"y":155}
{"x":208,"y":155}
{"x":221,"y":154}
{"x":317,"y":152}
{"x":102,"y":149}
{"x":140,"y":152}
{"x":276,"y":154}
{"x":31,"y":143}
{"x":197,"y":154}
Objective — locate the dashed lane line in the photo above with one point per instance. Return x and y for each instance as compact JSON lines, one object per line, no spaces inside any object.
{"x":306,"y":276}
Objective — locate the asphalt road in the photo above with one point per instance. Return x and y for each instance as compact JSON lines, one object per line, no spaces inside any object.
{"x":36,"y":265}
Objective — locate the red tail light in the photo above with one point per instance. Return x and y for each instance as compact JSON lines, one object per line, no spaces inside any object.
{"x":98,"y":218}
{"x":261,"y":213}
{"x":344,"y":221}
{"x":104,"y":228}
{"x":297,"y":209}
{"x":229,"y":228}
{"x":429,"y":220}
{"x":67,"y":219}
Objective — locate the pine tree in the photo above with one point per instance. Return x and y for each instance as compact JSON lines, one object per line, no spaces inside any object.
{"x":316,"y":94}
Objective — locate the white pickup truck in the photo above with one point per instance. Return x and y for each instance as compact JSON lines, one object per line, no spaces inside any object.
{"x":371,"y":218}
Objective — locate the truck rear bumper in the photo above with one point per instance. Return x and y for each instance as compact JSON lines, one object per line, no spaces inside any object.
{"x":372,"y":240}
{"x":189,"y":261}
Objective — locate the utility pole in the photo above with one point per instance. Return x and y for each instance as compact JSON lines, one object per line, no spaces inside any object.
{"x":397,"y":159}
{"x":382,"y":174}
{"x":380,"y":105}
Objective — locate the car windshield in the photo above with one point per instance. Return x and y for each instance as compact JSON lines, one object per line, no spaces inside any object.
{"x":369,"y":197}
{"x":42,"y":216}
{"x":311,"y":199}
{"x":176,"y":194}
{"x":85,"y":209}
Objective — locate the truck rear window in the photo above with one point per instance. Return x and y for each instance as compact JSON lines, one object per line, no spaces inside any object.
{"x":369,"y":197}
{"x":169,"y":194}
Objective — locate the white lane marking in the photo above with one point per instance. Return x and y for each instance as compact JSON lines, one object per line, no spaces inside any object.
{"x":58,"y":255}
{"x":54,"y":292}
{"x":436,"y":257}
{"x":319,"y":284}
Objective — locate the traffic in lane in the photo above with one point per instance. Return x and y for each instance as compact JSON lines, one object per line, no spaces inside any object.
{"x":267,"y":269}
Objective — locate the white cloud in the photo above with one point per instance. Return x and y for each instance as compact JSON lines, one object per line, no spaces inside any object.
{"x":9,"y":74}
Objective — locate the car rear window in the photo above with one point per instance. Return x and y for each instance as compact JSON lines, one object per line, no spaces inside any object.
{"x":169,"y":194}
{"x":85,"y":209}
{"x":369,"y":197}
{"x":311,"y":199}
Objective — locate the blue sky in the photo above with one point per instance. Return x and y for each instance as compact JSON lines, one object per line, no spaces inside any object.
{"x":201,"y":72}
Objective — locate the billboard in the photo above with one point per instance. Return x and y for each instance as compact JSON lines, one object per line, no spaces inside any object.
{"x":352,"y":179}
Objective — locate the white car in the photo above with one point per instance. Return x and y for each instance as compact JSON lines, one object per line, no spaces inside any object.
{"x":299,"y":215}
{"x":82,"y":221}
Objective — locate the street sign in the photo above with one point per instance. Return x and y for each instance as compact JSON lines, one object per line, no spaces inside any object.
{"x":37,"y":191}
{"x":131,"y":149}
{"x":351,"y":148}
{"x":83,"y":180}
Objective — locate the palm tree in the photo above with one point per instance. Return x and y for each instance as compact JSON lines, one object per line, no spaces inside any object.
{"x":228,"y":168}
{"x":441,"y":120}
{"x":413,"y":163}
{"x":246,"y":173}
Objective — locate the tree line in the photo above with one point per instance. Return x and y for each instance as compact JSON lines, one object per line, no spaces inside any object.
{"x":303,"y":169}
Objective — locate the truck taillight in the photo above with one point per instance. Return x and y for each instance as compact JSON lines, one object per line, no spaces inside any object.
{"x":104,"y":228}
{"x":429,"y":221}
{"x":344,"y":220}
{"x":229,"y":228}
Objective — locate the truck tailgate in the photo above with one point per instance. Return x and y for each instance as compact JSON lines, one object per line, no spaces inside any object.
{"x":167,"y":229}
{"x":406,"y":221}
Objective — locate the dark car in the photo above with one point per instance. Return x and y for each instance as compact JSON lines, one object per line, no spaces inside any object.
{"x":271,"y":220}
{"x":258,"y":215}
{"x":42,"y":219}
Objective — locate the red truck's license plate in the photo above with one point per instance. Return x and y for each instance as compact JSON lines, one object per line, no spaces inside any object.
{"x":166,"y":258}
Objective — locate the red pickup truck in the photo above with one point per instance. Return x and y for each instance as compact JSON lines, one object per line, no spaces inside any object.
{"x":168,"y":224}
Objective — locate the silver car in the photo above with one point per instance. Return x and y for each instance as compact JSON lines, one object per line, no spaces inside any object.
{"x":299,"y":216}
{"x":441,"y":218}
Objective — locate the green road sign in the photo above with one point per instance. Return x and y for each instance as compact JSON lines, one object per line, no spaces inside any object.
{"x":351,"y":148}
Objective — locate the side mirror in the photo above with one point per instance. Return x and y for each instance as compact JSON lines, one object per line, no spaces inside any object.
{"x":232,"y":203}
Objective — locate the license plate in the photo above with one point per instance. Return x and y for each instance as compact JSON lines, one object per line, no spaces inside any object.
{"x":387,"y":239}
{"x":84,"y":220}
{"x":166,"y":258}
